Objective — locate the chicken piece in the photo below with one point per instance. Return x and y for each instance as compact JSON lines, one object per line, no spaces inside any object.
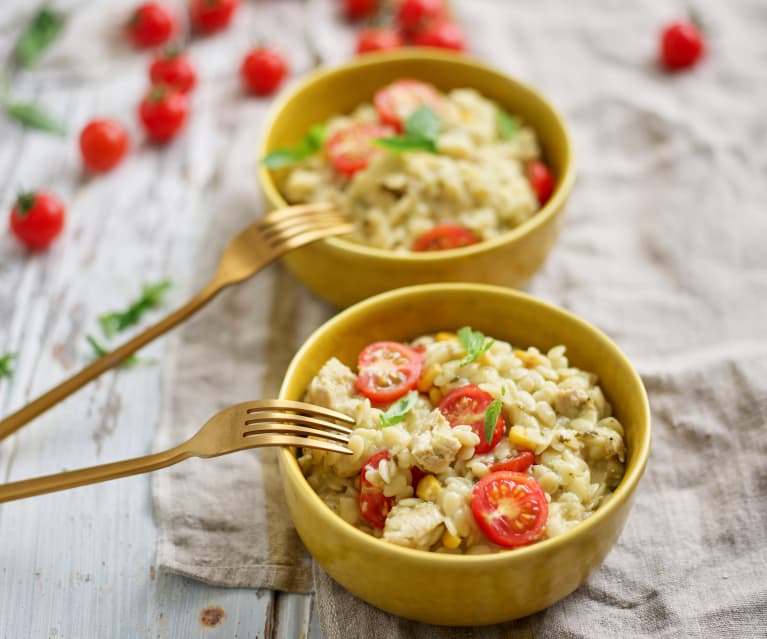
{"x":335,"y":387}
{"x":435,"y":448}
{"x":571,"y":400}
{"x":418,"y":526}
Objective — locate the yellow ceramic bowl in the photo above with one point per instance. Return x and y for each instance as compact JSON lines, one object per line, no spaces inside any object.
{"x":345,"y":272}
{"x":465,"y":590}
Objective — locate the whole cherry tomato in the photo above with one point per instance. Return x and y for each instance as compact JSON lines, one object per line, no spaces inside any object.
{"x":681,"y":46}
{"x":103,"y":144}
{"x":37,"y":219}
{"x":163,"y":112}
{"x":173,"y":68}
{"x":444,"y":236}
{"x":540,"y":179}
{"x":414,"y":15}
{"x":263,"y":70}
{"x":151,"y":25}
{"x":208,"y":16}
{"x":359,"y":9}
{"x":378,"y":39}
{"x":444,"y":35}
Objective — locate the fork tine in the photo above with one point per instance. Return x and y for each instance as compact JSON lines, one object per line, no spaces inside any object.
{"x":300,"y":442}
{"x":277,"y":239}
{"x":318,"y":221}
{"x":301,"y":209}
{"x":293,"y":241}
{"x":291,"y":404}
{"x":292,"y":429}
{"x":292,"y":418}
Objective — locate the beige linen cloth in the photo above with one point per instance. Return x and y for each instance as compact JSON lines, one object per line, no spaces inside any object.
{"x":664,"y":248}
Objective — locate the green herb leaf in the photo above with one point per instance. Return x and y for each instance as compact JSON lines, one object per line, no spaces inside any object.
{"x":151,"y":297}
{"x":41,"y":32}
{"x":5,"y":364}
{"x":100,"y":350}
{"x":307,"y":147}
{"x":473,"y":343}
{"x":491,"y":418}
{"x":397,"y":411}
{"x":508,"y":126}
{"x":421,"y":132}
{"x":33,"y":117}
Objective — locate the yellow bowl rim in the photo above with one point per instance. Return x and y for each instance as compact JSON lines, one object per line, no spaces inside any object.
{"x":623,"y":492}
{"x":549,"y":210}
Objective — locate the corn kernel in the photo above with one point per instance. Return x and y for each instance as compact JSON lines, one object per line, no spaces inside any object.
{"x":518,"y":438}
{"x":450,"y":541}
{"x":444,"y":336}
{"x":426,"y":381}
{"x":428,"y":488}
{"x":435,"y":395}
{"x":529,"y":360}
{"x":485,"y":360}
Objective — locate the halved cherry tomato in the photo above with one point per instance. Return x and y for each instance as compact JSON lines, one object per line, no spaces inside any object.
{"x":374,"y":505}
{"x":540,"y":179}
{"x":518,"y":464}
{"x":416,"y":475}
{"x":387,"y":371}
{"x":444,"y":236}
{"x":467,"y":405}
{"x":510,"y":508}
{"x":350,"y":149}
{"x":397,"y":101}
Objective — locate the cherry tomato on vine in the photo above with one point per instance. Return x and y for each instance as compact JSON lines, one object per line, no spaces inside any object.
{"x":37,"y":219}
{"x":359,"y":9}
{"x":374,"y":505}
{"x":163,"y":112}
{"x":263,"y":69}
{"x":397,"y":101}
{"x":467,"y":405}
{"x":444,"y":35}
{"x":510,"y":508}
{"x":208,"y":16}
{"x":541,"y":180}
{"x":414,"y":15}
{"x":103,"y":145}
{"x":518,"y":464}
{"x":151,"y":25}
{"x":387,"y":370}
{"x":350,"y":149}
{"x":173,"y":68}
{"x":682,"y":45}
{"x":378,"y":39}
{"x":444,"y":236}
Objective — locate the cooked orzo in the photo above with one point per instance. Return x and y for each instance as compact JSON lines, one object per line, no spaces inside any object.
{"x":418,"y":169}
{"x":464,"y":444}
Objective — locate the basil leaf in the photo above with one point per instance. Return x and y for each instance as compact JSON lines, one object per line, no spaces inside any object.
{"x":402,"y":143}
{"x":423,"y":123}
{"x":491,"y":418}
{"x":508,"y":126}
{"x":151,"y":297}
{"x":307,"y":147}
{"x":33,"y":117}
{"x":100,"y":351}
{"x":397,"y":411}
{"x":38,"y":36}
{"x":473,"y":343}
{"x":5,"y":364}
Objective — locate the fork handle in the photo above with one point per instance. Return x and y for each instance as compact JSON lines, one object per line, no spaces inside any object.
{"x":16,"y":420}
{"x":92,"y":475}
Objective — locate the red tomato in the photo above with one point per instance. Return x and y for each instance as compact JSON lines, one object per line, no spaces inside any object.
{"x":374,"y":505}
{"x":444,"y":236}
{"x":37,"y":219}
{"x":414,"y":15}
{"x":445,"y":35}
{"x":174,"y":69}
{"x":163,"y":113}
{"x":540,"y":179}
{"x":416,"y":475}
{"x":358,"y":9}
{"x":263,"y":70}
{"x":208,"y":16}
{"x":103,"y":144}
{"x":510,"y":508}
{"x":151,"y":24}
{"x":378,"y":39}
{"x":350,"y":149}
{"x":387,"y":370}
{"x":681,"y":45}
{"x":518,"y":464}
{"x":401,"y":99}
{"x":467,"y":405}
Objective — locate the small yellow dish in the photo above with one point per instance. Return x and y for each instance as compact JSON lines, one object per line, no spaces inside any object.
{"x":344,"y":272}
{"x":466,"y":590}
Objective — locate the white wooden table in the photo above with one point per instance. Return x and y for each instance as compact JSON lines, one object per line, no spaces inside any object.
{"x":81,"y":563}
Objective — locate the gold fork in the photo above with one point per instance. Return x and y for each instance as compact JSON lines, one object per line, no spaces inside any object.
{"x":240,"y":427}
{"x":254,"y":248}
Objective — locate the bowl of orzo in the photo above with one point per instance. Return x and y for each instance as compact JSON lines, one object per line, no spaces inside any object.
{"x":449,"y":170}
{"x":497,"y":447}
